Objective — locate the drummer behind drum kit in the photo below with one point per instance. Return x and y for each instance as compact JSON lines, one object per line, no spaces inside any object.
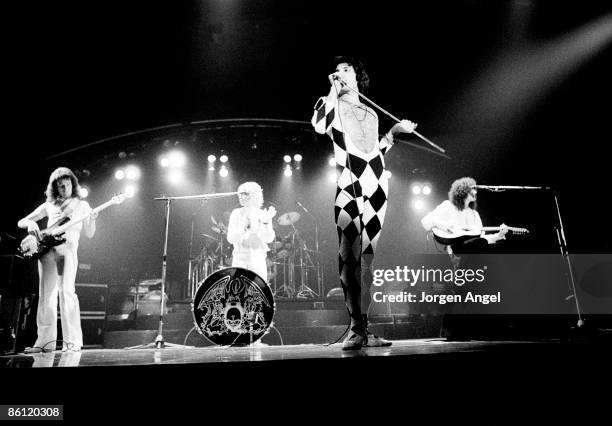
{"x":235,"y":306}
{"x":291,"y":263}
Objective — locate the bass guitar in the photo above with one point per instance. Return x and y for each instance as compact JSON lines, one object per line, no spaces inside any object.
{"x":33,"y":247}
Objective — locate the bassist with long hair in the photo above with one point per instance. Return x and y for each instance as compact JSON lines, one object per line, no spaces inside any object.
{"x":57,"y":267}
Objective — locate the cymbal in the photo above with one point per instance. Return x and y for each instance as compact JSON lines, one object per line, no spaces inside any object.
{"x":219,"y":228}
{"x":288,"y":218}
{"x":282,"y":254}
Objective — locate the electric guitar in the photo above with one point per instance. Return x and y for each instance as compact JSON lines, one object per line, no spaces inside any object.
{"x":33,"y":247}
{"x":462,"y":234}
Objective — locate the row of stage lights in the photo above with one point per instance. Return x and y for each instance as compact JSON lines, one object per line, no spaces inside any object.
{"x":223,"y":159}
{"x":130,"y":174}
{"x":297,"y":160}
{"x":419,"y":203}
{"x":174,"y":161}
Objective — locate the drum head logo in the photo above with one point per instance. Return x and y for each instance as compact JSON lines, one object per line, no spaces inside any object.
{"x":233,"y":306}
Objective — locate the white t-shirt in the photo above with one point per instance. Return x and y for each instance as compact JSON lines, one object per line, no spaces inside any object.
{"x":54,"y":214}
{"x":448,"y":212}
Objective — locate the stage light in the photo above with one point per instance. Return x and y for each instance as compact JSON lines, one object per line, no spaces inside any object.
{"x":387,"y":174}
{"x":418,"y":205}
{"x":211,"y":168}
{"x":416,"y":189}
{"x":130,"y":190}
{"x":332,"y":161}
{"x":119,"y":174}
{"x":84,"y":192}
{"x":164,"y":161}
{"x":427,"y":190}
{"x":223,"y":172}
{"x":287,"y":159}
{"x":212,"y":158}
{"x":288,"y":171}
{"x":175,"y":176}
{"x":223,"y":158}
{"x":132,"y":172}
{"x":177,"y":159}
{"x":297,"y":158}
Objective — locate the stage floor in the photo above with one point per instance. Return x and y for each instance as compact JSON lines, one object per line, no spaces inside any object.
{"x":306,"y":380}
{"x":224,"y":354}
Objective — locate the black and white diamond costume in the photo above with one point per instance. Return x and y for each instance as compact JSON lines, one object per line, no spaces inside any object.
{"x":361,"y":193}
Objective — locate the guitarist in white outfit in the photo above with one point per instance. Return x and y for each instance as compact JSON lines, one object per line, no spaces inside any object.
{"x":453,"y":215}
{"x":57,"y":268}
{"x":459,"y":213}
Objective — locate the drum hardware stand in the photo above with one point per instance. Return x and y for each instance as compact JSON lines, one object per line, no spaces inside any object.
{"x":304,"y":291}
{"x":221,"y":254}
{"x":159,"y":342}
{"x":190,"y":282}
{"x":286,"y":290}
{"x":190,"y":290}
{"x":318,"y":253}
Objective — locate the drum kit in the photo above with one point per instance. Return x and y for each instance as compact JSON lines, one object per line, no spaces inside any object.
{"x":235,"y":306}
{"x":291,"y":264}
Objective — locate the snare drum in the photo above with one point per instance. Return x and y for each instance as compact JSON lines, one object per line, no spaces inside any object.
{"x":233,"y":306}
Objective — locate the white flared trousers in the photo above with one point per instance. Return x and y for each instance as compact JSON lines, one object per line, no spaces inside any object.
{"x":57,"y":271}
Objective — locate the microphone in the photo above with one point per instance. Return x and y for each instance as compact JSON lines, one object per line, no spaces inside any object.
{"x":300,"y":204}
{"x":484,"y":187}
{"x":336,"y":76}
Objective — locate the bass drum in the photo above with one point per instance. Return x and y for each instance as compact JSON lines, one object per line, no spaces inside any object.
{"x":233,"y":306}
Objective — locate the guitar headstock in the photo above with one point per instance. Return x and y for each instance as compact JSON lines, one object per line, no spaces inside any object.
{"x":520,"y":231}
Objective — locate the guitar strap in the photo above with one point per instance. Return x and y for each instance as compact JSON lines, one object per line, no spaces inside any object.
{"x":67,"y":208}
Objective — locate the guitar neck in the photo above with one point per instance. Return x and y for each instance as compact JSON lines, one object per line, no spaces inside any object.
{"x":497,"y":228}
{"x":79,"y":219}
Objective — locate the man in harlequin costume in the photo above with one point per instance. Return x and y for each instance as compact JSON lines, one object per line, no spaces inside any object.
{"x":362,"y":187}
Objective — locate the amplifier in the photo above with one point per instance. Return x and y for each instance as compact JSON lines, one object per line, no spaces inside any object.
{"x":92,"y":298}
{"x":93,"y":301}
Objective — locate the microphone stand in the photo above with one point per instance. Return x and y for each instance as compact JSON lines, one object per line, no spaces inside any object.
{"x":560,"y":239}
{"x":565,"y":253}
{"x":500,"y":188}
{"x":159,"y":342}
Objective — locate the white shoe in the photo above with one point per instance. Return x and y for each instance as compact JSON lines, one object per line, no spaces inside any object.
{"x":373,"y":341}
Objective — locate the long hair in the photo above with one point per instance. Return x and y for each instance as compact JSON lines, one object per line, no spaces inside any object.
{"x":52,"y":192}
{"x":459,"y":191}
{"x":363,"y":80}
